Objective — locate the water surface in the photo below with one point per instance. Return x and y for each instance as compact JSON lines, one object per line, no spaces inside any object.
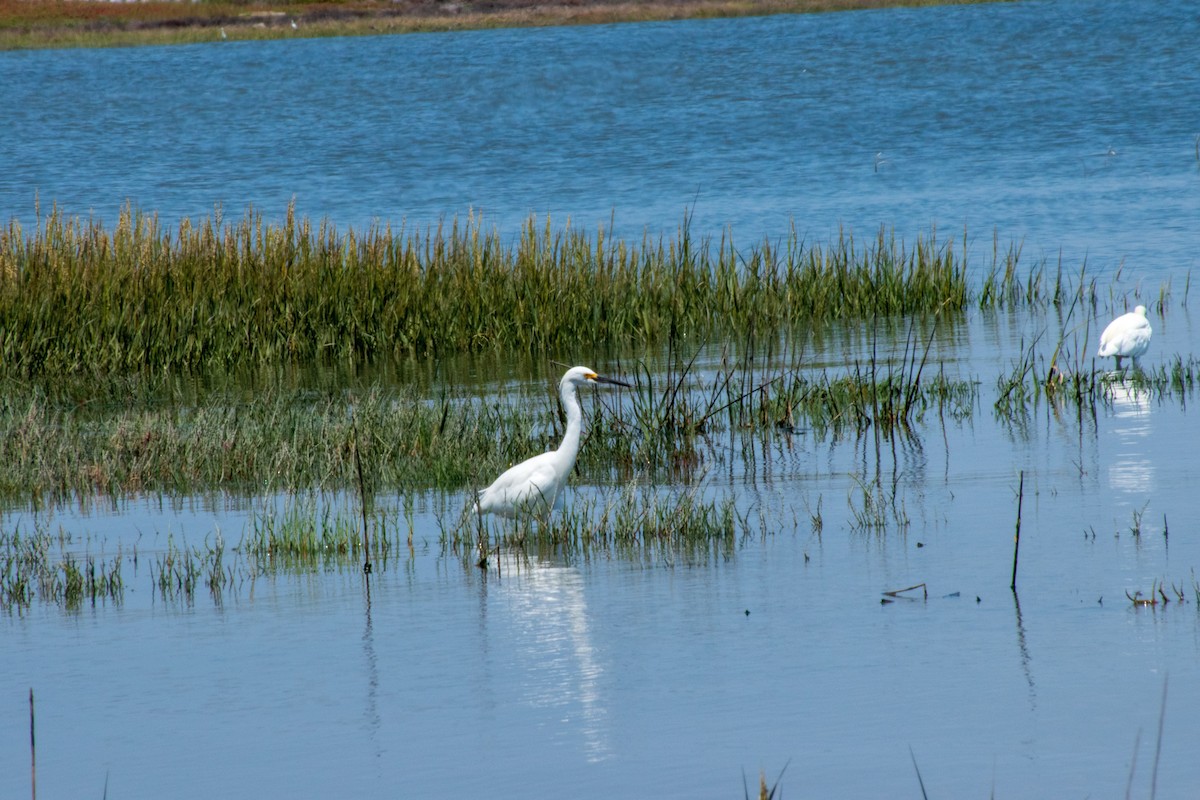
{"x":604,"y":674}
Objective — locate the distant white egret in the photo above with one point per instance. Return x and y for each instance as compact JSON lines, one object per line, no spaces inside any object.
{"x":1127,"y":336}
{"x":535,"y":484}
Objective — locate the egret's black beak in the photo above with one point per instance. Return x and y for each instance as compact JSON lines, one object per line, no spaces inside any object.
{"x":613,"y":381}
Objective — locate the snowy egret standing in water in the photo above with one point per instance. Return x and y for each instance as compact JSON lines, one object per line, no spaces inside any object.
{"x":1127,"y":336}
{"x":535,"y":485}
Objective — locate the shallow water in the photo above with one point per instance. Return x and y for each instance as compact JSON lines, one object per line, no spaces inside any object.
{"x":610,"y":673}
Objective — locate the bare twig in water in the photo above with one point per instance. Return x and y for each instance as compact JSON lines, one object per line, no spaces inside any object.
{"x":898,"y":592}
{"x":1017,"y":536}
{"x":32,"y":749}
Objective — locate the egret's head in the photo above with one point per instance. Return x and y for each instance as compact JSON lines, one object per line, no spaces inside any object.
{"x":581,"y":376}
{"x":1140,"y":310}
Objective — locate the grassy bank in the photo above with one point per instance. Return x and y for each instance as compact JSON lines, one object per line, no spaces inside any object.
{"x":67,"y":23}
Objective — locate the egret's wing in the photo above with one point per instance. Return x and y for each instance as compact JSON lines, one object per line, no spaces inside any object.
{"x":1108,"y":339}
{"x":522,"y":486}
{"x":1128,"y":334}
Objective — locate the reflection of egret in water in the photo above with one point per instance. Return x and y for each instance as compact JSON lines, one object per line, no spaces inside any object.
{"x":1129,"y":468}
{"x":550,"y":615}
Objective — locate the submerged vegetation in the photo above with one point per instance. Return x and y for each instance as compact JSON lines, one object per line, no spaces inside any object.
{"x":56,"y":449}
{"x":44,"y":564}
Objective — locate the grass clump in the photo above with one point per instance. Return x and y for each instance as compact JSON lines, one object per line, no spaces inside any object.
{"x":307,"y":532}
{"x":41,"y":565}
{"x":641,"y":518}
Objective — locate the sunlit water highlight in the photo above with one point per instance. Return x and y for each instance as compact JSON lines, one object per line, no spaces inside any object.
{"x":602,"y":674}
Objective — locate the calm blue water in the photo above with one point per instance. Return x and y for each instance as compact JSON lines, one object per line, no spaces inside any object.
{"x":614,"y":676}
{"x":993,"y":118}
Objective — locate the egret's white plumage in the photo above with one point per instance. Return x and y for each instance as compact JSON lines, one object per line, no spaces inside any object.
{"x":1127,"y":336}
{"x":535,"y":485}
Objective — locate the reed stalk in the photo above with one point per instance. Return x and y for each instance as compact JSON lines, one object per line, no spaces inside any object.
{"x":32,"y":750}
{"x":1017,"y":534}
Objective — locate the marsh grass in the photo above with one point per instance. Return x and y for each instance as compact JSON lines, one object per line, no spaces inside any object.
{"x":291,"y":535}
{"x":178,"y":572}
{"x":66,"y":445}
{"x":78,"y":298}
{"x":1176,"y":379}
{"x":1034,"y":378}
{"x":312,"y":532}
{"x":651,"y":521}
{"x":55,"y":451}
{"x":61,"y":444}
{"x":101,"y":328}
{"x":876,"y":508}
{"x":43,"y":565}
{"x":309,"y":531}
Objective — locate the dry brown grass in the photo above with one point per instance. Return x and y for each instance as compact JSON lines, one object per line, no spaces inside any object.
{"x":95,"y":23}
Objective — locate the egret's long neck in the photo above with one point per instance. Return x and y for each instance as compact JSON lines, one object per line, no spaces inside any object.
{"x":569,"y":448}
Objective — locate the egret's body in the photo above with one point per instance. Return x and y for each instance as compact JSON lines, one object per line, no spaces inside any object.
{"x":1127,"y":336}
{"x":535,"y":486}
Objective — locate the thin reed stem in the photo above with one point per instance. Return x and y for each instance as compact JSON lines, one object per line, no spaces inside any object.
{"x":1017,"y":535}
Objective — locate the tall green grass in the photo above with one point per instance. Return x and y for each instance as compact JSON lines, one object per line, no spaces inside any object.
{"x":310,"y":529}
{"x":77,"y":297}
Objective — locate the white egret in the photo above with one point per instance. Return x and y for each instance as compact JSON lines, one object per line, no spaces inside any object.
{"x":1127,"y":336}
{"x":534,"y":485}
